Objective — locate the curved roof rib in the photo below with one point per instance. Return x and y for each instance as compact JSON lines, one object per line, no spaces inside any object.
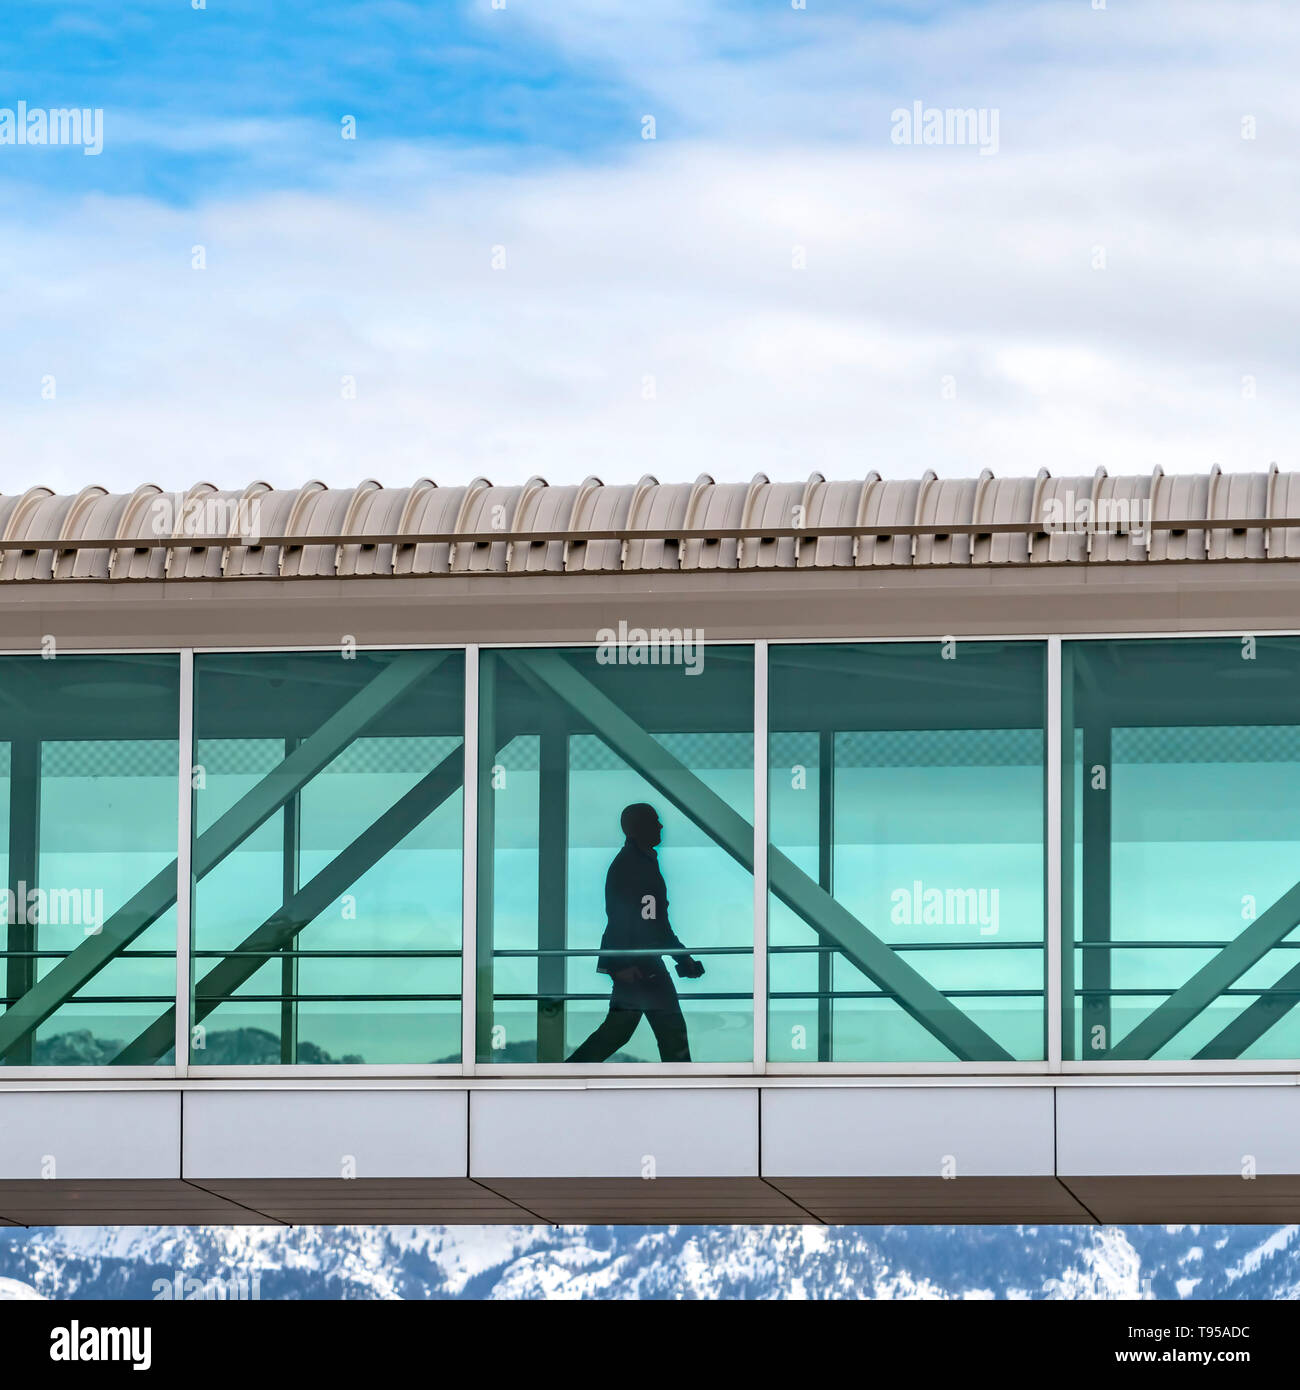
{"x":314,"y":532}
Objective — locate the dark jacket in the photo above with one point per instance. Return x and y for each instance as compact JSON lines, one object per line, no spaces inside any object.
{"x":636,"y":912}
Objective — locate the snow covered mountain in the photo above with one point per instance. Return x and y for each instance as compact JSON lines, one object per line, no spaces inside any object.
{"x":675,"y":1262}
{"x":11,"y":1289}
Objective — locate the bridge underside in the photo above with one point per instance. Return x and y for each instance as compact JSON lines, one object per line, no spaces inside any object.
{"x":654,"y":1152}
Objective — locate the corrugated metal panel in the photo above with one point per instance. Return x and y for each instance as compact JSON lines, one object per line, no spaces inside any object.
{"x":1060,"y":539}
{"x":720,"y":505}
{"x":1120,"y":521}
{"x":207,"y":513}
{"x":1097,"y":520}
{"x":85,"y":520}
{"x":138,"y":519}
{"x":544,"y":509}
{"x":654,"y":509}
{"x":774,"y":505}
{"x":98,"y":519}
{"x":1180,"y":498}
{"x":951,"y":501}
{"x":490,"y":509}
{"x":1003,"y":500}
{"x":38,"y":515}
{"x":278,"y":512}
{"x":434,"y":511}
{"x":885,"y":505}
{"x":378,"y":512}
{"x":1284,"y":541}
{"x":194,"y":515}
{"x":831,"y":504}
{"x":1239,"y":495}
{"x":318,"y":513}
{"x":600,"y":508}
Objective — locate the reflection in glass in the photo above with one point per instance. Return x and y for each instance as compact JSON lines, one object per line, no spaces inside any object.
{"x":907,"y":866}
{"x":327,"y":858}
{"x":568,"y":741}
{"x":89,"y":759}
{"x":1182,"y":849}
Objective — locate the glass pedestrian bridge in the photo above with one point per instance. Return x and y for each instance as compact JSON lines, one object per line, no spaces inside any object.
{"x":965,"y":883}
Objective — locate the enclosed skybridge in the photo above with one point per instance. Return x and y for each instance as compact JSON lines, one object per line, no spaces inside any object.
{"x":977,"y":896}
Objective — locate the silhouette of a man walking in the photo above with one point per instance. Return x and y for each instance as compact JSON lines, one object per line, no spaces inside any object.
{"x":636,"y":910}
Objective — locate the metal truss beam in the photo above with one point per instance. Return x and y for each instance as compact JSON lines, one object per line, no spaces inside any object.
{"x":1255,"y":1020}
{"x":281,"y":929}
{"x":733,"y":833}
{"x":1167,"y":1020}
{"x":230,"y":830}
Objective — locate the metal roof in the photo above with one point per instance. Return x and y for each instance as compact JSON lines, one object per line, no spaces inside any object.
{"x":647,"y":526}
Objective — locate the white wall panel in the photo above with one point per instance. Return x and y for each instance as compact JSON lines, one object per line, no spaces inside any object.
{"x":921,"y":1131}
{"x":1165,"y":1130}
{"x":313,"y":1133}
{"x":89,"y":1134}
{"x":687,"y":1132}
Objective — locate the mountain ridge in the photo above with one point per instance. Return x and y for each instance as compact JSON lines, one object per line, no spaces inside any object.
{"x":670,"y":1262}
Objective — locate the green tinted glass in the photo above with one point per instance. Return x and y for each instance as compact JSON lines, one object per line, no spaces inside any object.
{"x":1182,"y":849}
{"x":327,"y":858}
{"x":578,"y":952}
{"x":89,"y":760}
{"x":907,"y":852}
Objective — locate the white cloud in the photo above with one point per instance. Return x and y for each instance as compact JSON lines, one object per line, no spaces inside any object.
{"x":674,"y":262}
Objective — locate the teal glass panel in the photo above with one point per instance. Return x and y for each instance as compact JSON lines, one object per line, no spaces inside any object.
{"x":580,"y":956}
{"x":328,"y":816}
{"x":1182,"y":849}
{"x":89,"y":757}
{"x":907,"y":800}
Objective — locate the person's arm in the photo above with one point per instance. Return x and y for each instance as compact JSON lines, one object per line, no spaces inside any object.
{"x":680,"y":953}
{"x":617,"y":933}
{"x":688,"y":968}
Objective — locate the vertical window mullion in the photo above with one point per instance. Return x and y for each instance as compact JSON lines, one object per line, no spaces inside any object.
{"x":1055,"y":917}
{"x":760,"y":856}
{"x":469,"y":871}
{"x":184,"y":879}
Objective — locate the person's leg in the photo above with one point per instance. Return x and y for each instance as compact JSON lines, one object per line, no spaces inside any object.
{"x":670,"y":1033}
{"x":614,"y":1030}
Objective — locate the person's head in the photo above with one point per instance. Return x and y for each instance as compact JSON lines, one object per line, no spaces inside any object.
{"x":640,"y":823}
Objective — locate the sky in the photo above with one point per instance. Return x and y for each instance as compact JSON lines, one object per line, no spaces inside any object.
{"x":501,"y":275}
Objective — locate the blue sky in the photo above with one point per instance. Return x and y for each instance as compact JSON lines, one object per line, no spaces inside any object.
{"x":771,"y":284}
{"x":243,"y":96}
